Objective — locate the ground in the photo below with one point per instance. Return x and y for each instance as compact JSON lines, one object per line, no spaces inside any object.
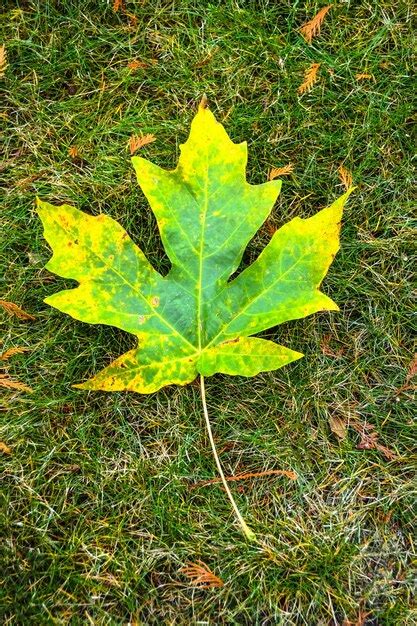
{"x":100,"y":512}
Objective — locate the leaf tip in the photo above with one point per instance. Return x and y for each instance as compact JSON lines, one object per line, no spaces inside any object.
{"x":349,"y":191}
{"x":39,"y":204}
{"x":79,"y":386}
{"x":203,"y":103}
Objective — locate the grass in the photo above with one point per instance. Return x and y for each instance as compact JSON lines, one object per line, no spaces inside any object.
{"x":99,"y":515}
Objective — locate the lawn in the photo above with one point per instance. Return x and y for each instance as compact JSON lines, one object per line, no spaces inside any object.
{"x":105,"y":494}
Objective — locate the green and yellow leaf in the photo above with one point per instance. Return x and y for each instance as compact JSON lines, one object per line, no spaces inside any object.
{"x":195,"y":319}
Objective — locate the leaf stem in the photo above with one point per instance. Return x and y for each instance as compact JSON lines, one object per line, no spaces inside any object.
{"x":246,"y":530}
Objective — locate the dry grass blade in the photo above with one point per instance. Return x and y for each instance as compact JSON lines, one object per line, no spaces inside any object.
{"x":11,"y":352}
{"x":200,"y":575}
{"x":310,"y":77}
{"x":312,"y":28}
{"x":4,"y":448}
{"x":3,"y":60}
{"x":246,"y":475}
{"x":280,"y":171}
{"x":345,"y":176}
{"x":136,"y":142}
{"x":8,"y":383}
{"x":363,"y":76}
{"x":13,"y":309}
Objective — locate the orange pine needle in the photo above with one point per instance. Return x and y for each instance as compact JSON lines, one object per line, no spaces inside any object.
{"x":13,"y":309}
{"x":136,"y":142}
{"x":6,"y":381}
{"x":245,"y":476}
{"x":117,"y":5}
{"x":310,"y":77}
{"x":312,"y":28}
{"x":345,"y":177}
{"x":280,"y":171}
{"x":3,"y":60}
{"x":11,"y":352}
{"x":200,"y":575}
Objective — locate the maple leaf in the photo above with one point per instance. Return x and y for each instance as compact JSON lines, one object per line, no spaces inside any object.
{"x":194,"y":320}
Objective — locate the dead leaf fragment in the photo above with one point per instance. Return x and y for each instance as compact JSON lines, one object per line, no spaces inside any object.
{"x":310,"y":77}
{"x":412,"y":369}
{"x":270,"y":228}
{"x":133,"y":20}
{"x":4,"y":448}
{"x":345,"y":176}
{"x":312,"y":28}
{"x":3,"y":60}
{"x":338,"y":426}
{"x":135,"y":64}
{"x":8,"y":383}
{"x":205,"y":60}
{"x":200,"y":575}
{"x":359,"y":621}
{"x":369,"y":439}
{"x":411,"y":373}
{"x":73,"y":152}
{"x":24,"y":182}
{"x":13,"y":309}
{"x":363,"y":76}
{"x":280,"y":171}
{"x":136,"y":142}
{"x":327,"y":349}
{"x":11,"y":352}
{"x":118,"y":5}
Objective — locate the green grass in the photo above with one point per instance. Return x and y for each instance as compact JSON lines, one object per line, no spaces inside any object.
{"x":98,"y":514}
